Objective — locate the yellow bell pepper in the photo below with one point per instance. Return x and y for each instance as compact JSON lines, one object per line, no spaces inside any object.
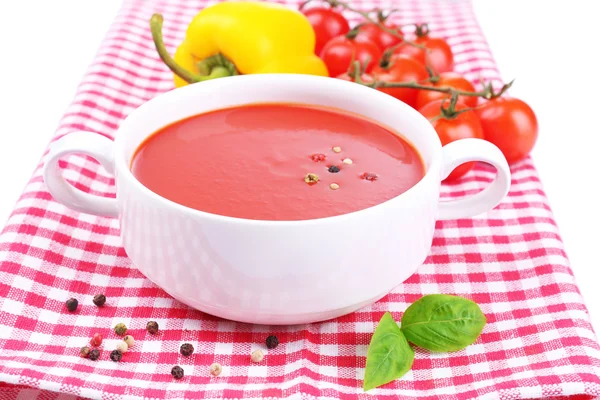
{"x":245,"y":37}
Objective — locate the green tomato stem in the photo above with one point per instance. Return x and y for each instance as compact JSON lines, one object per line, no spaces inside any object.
{"x":422,"y":29}
{"x":365,"y":15}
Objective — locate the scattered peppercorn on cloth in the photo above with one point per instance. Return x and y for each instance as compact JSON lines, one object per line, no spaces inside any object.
{"x":538,"y":342}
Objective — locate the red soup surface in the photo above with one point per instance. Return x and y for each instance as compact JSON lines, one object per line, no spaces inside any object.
{"x":252,"y":162}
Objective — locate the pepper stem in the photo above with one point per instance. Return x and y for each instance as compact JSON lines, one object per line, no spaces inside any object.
{"x":216,"y":66}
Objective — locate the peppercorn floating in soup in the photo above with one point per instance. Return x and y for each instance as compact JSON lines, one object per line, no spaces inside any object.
{"x":277,"y":162}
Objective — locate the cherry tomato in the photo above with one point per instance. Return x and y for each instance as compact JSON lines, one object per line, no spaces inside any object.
{"x":327,"y":24}
{"x":401,"y":69}
{"x":341,"y":51}
{"x":439,"y":57}
{"x":410,"y":51}
{"x":465,"y":125}
{"x":373,"y":33}
{"x":447,"y":79}
{"x":511,"y":125}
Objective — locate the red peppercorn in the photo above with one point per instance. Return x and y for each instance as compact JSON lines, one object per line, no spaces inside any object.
{"x":96,"y":340}
{"x":317,"y":157}
{"x":369,"y":176}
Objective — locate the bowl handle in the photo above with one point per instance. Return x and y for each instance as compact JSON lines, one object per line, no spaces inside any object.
{"x":466,"y":150}
{"x":90,"y":144}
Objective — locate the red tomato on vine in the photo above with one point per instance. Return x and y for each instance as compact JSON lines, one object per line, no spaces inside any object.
{"x":327,"y":24}
{"x":372,"y":32}
{"x":438,"y":55}
{"x":511,"y":125}
{"x":410,"y":51}
{"x":447,"y":79}
{"x":462,"y":126}
{"x":401,"y":69}
{"x":342,"y":50}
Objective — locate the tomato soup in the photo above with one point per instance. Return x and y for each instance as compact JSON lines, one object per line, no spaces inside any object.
{"x":277,"y":162}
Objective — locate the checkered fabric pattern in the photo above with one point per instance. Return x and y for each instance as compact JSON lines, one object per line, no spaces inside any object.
{"x":538,"y":342}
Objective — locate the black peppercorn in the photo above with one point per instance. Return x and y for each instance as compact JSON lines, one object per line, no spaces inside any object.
{"x":152,"y":327}
{"x":272,"y":342}
{"x":94,"y":354}
{"x":72,"y":304}
{"x":177,"y":372}
{"x":186,"y":349}
{"x":116,"y":355}
{"x":334,"y":169}
{"x":99,"y":300}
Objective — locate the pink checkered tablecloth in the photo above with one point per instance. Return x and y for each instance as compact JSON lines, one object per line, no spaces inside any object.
{"x":538,"y":342}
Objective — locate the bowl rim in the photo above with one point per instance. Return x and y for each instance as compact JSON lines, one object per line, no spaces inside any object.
{"x":122,"y":170}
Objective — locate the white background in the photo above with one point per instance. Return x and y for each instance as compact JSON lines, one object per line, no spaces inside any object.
{"x":550,"y":47}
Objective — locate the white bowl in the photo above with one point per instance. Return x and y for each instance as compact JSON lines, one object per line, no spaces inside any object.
{"x":276,"y":272}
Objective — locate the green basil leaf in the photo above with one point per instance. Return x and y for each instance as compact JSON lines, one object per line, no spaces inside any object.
{"x":389,"y":355}
{"x":440,"y":322}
